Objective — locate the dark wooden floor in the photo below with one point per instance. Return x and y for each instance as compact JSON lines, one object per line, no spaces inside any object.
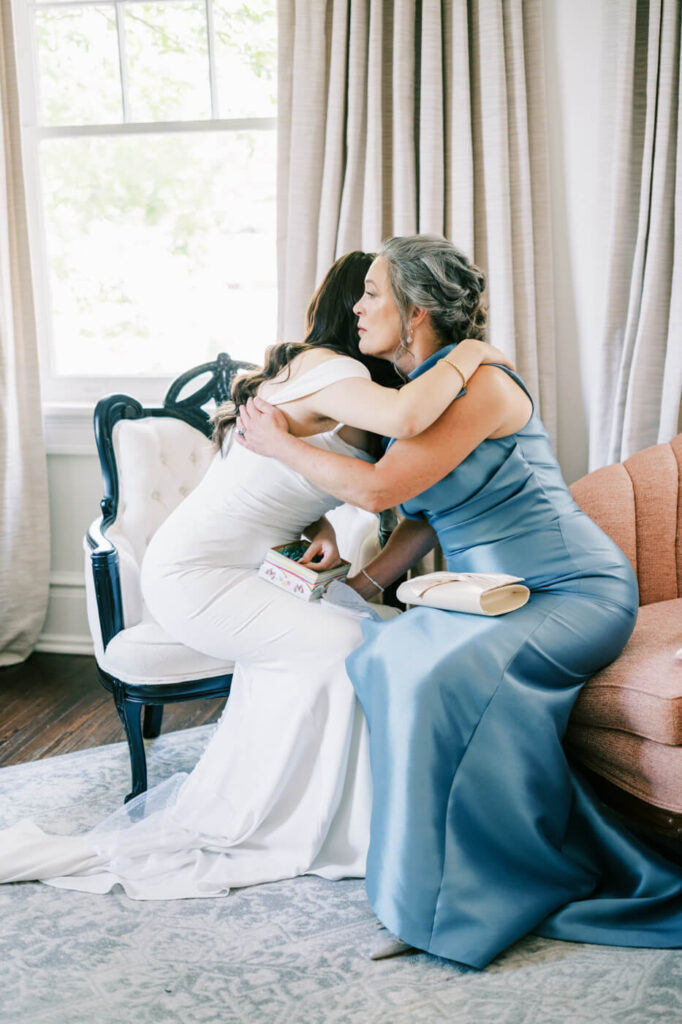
{"x":54,"y":704}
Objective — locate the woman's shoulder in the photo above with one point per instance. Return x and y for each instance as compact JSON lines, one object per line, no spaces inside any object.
{"x":311,"y":359}
{"x":502,"y":390}
{"x":306,"y":375}
{"x":314,"y":357}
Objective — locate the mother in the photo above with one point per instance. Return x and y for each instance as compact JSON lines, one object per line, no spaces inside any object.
{"x":481,"y":830}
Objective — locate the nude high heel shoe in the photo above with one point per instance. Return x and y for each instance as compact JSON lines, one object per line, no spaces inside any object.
{"x":386,"y":945}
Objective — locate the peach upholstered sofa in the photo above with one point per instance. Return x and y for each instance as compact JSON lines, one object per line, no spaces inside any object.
{"x":627,"y":724}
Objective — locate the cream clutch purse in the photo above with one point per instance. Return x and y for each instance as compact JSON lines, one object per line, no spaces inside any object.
{"x":477,"y":593}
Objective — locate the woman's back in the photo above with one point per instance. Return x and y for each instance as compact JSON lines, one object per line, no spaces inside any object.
{"x":246,"y":502}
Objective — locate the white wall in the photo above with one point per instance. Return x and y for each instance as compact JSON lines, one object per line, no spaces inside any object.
{"x":75,"y":491}
{"x":578,"y":100}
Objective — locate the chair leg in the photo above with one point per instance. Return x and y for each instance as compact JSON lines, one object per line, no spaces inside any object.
{"x":151,"y":722}
{"x":130,"y":713}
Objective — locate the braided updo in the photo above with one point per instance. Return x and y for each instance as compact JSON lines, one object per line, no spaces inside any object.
{"x":428,"y":272}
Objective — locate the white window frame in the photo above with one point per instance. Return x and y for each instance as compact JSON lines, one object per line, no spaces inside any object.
{"x":68,"y":402}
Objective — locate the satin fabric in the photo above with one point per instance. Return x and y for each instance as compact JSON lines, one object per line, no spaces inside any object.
{"x":481,"y":830}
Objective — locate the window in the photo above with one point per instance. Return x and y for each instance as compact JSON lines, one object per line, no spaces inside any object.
{"x":149,"y":149}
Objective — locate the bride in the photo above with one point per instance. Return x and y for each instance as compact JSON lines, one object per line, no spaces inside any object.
{"x":284,"y":786}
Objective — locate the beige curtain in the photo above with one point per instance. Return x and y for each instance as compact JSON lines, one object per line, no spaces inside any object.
{"x":638,"y":381}
{"x":24,"y":538}
{"x":404,"y":116}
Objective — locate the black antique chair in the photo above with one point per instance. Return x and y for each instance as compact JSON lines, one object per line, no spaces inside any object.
{"x":151,"y":458}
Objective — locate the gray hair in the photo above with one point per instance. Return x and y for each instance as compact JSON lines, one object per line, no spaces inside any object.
{"x":428,"y":272}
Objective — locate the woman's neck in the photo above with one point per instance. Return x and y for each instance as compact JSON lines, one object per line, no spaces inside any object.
{"x":424,"y":344}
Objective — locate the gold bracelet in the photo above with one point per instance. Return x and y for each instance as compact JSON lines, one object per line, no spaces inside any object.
{"x":455,"y":367}
{"x":373,"y":582}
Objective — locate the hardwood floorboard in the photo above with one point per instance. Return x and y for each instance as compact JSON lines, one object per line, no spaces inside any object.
{"x":55,"y":704}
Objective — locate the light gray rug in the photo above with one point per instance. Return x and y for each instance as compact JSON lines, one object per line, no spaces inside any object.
{"x":290,"y":952}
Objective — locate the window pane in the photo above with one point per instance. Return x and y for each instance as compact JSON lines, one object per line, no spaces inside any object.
{"x":78,"y":60}
{"x":161,"y":249}
{"x":246,"y":57}
{"x":168,"y":76}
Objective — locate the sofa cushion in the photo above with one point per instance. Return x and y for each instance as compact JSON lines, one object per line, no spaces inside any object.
{"x":650,"y":771}
{"x":145,"y":654}
{"x":641,"y":691}
{"x":656,"y":483}
{"x":607,"y":496}
{"x":638,"y":503}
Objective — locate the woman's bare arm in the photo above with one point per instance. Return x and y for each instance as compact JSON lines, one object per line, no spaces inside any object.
{"x":493,"y":406}
{"x":411,"y":409}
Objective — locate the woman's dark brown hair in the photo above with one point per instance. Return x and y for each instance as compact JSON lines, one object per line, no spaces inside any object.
{"x":329,"y":323}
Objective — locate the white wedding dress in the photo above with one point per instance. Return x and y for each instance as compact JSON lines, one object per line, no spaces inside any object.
{"x":284,"y":786}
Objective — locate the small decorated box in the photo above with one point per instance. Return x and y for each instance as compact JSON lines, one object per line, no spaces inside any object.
{"x":281,"y":567}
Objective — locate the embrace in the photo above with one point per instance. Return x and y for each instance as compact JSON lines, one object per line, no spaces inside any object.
{"x":423,"y":750}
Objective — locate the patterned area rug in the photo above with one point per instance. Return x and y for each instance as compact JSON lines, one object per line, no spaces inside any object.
{"x":291,"y":952}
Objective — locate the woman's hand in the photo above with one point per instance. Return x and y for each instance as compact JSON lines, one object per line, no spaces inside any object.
{"x":260,"y":426}
{"x":321,"y":554}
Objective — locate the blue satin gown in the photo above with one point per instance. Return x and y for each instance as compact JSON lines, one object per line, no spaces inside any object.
{"x":481,"y":830}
